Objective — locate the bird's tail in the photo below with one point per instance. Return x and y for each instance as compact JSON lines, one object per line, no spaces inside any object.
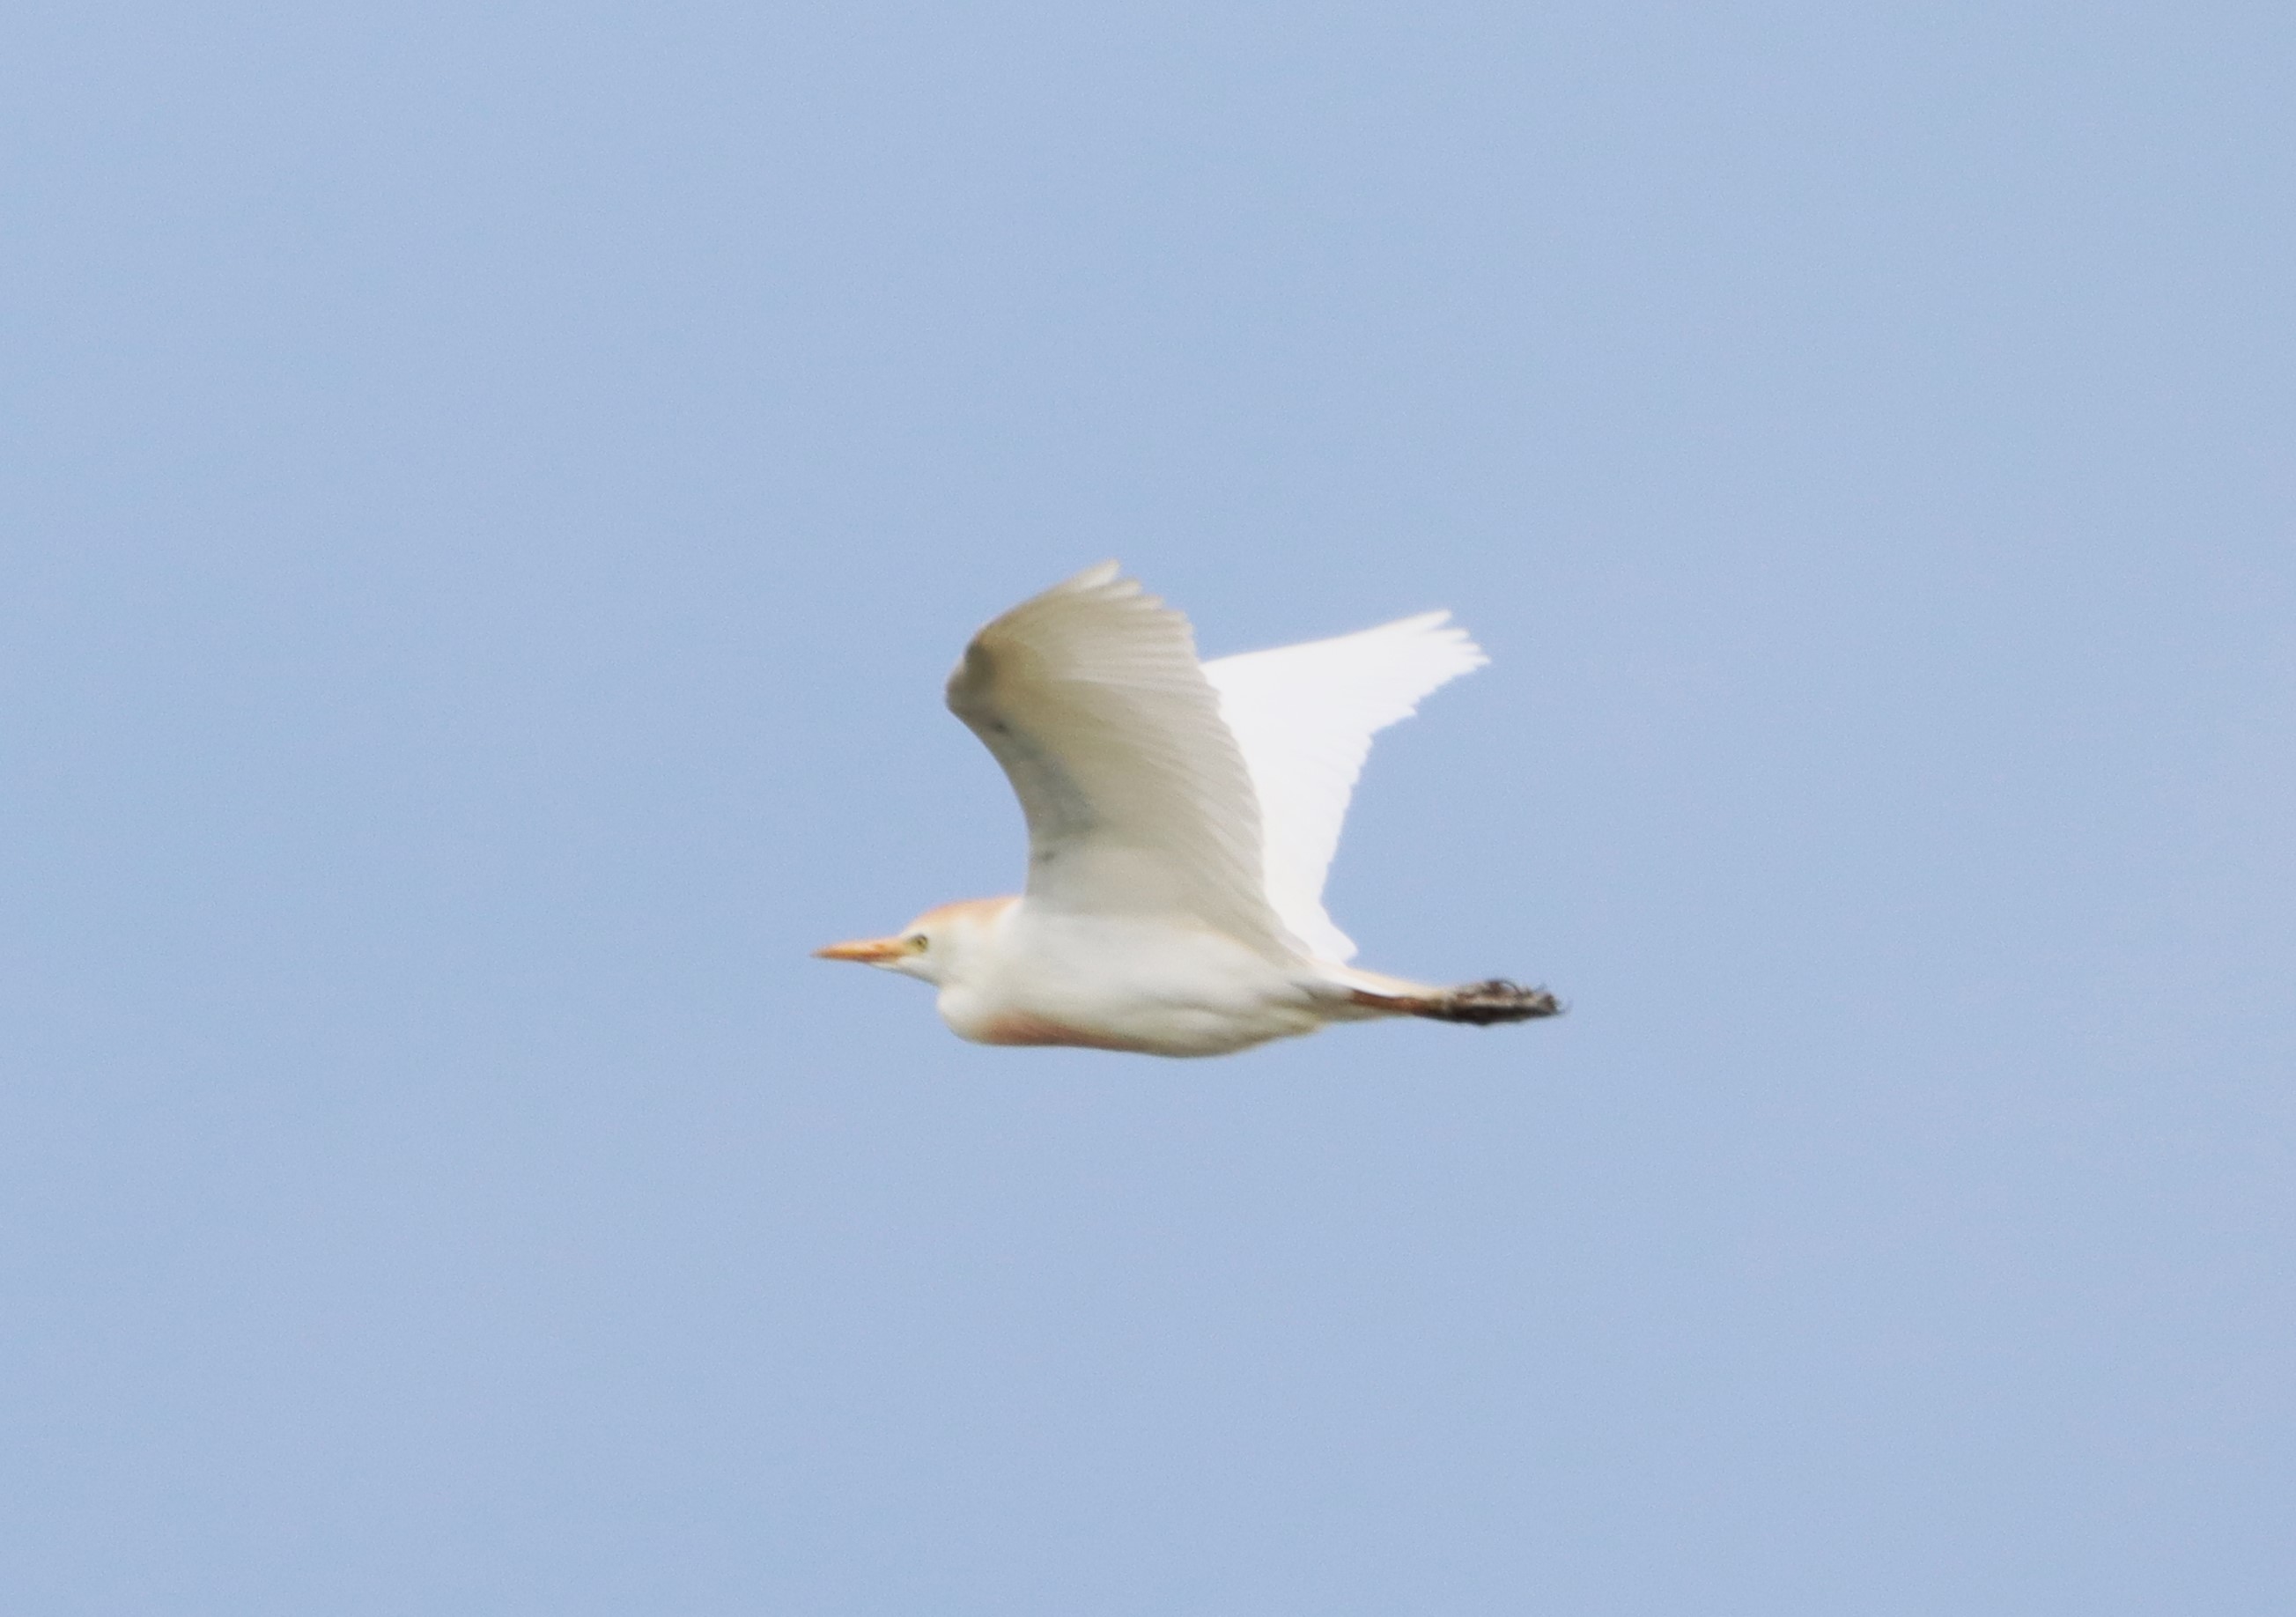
{"x":1479,"y":1003}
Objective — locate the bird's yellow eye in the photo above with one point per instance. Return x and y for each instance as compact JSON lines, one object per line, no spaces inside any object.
{"x":917,"y":943}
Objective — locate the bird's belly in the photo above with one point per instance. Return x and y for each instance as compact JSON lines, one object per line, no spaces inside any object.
{"x":1147,"y":1029}
{"x":1011,"y":1027}
{"x":1139,"y":987}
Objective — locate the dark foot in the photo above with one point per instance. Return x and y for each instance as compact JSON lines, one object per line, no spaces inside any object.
{"x":1497,"y":1000}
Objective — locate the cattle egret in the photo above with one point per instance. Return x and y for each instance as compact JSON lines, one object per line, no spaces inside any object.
{"x":1181,"y":816}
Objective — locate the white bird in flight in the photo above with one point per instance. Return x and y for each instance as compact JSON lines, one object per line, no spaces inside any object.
{"x":1181,"y":816}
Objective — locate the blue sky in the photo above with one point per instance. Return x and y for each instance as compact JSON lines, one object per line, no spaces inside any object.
{"x":491,"y":493}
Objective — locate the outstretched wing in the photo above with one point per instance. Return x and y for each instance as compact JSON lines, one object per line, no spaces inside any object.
{"x":1304,"y":716}
{"x":1137,"y":797}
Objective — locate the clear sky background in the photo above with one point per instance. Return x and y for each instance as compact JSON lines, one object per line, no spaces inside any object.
{"x":491,"y":492}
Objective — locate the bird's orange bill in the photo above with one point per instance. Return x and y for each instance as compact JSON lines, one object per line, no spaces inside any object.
{"x":870,"y":951}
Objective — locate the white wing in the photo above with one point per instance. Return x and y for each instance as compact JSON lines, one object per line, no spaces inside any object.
{"x":1137,"y":797}
{"x":1304,"y":716}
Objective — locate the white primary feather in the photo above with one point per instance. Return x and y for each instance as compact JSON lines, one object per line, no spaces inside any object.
{"x":1304,"y":717}
{"x":1138,"y":800}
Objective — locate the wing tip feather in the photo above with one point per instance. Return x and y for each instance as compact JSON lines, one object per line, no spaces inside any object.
{"x":1099,"y":576}
{"x":1434,"y":630}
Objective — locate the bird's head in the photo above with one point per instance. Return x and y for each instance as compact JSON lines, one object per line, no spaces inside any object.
{"x":934,"y":947}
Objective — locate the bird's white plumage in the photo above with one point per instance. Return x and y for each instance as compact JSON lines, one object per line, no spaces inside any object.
{"x":1304,"y":717}
{"x":1181,"y":818}
{"x":1137,"y":798}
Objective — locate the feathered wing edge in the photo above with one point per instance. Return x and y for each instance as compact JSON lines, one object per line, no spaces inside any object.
{"x":1304,"y":717}
{"x":1136,"y":793}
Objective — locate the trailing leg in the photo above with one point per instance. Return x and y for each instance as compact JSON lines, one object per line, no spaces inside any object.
{"x":1480,"y":1003}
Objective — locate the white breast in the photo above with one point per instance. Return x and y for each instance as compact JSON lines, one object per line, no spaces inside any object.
{"x":1126,"y":983}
